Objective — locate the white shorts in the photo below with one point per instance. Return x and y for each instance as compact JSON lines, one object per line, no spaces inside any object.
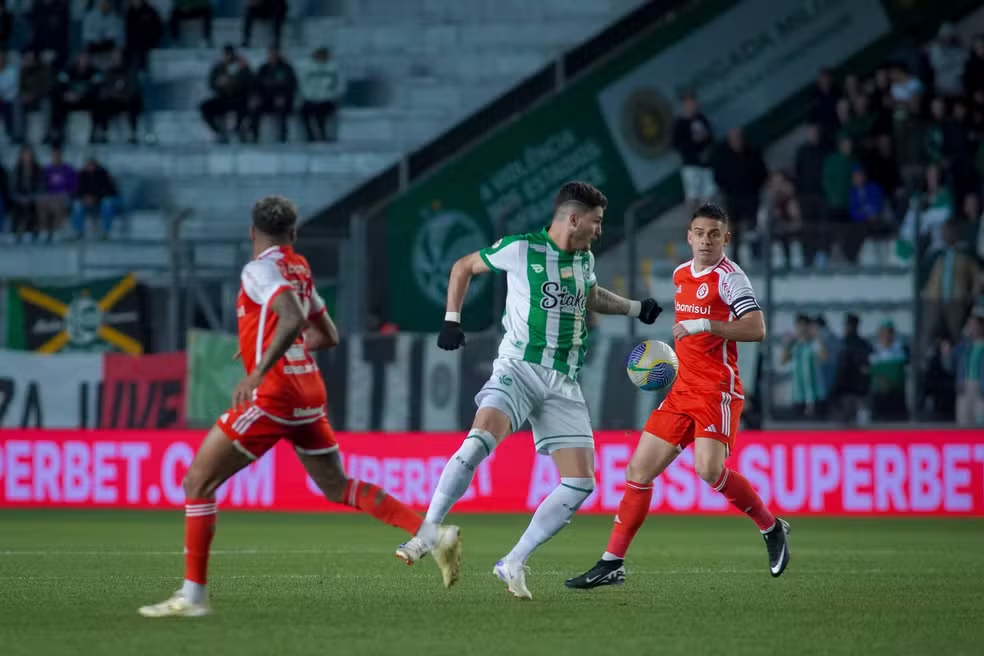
{"x":698,"y":183}
{"x":551,"y":401}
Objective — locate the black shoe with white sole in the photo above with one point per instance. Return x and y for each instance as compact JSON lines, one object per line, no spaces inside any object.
{"x":777,"y":544}
{"x":605,"y":572}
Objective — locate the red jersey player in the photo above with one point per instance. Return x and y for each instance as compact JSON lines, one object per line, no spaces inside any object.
{"x":715,"y":308}
{"x":281,"y":320}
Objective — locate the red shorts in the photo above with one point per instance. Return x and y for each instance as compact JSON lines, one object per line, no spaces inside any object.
{"x":254,"y":433}
{"x":684,"y":416}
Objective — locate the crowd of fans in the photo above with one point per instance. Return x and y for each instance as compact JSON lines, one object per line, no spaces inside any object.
{"x":892,"y":163}
{"x":106,"y":79}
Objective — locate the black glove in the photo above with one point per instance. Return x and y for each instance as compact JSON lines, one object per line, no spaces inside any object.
{"x":451,"y":338}
{"x":649,"y":311}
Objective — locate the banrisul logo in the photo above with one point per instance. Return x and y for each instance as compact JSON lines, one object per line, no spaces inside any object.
{"x":556,"y":296}
{"x":444,"y":237}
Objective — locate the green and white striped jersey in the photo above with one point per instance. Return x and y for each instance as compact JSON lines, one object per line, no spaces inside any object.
{"x":546,"y":300}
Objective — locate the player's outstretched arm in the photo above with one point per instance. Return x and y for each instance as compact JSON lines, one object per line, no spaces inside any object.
{"x":290,"y":323}
{"x":451,"y":336}
{"x":603,"y":301}
{"x":749,"y":328}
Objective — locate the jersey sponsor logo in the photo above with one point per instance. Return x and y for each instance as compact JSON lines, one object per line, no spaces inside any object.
{"x":702,"y":290}
{"x":566,"y":272}
{"x":506,"y":380}
{"x":692,"y":308}
{"x":538,"y":248}
{"x":537,"y":268}
{"x":296,"y":353}
{"x":241,"y":311}
{"x":556,"y":296}
{"x":679,"y":289}
{"x":300,"y":413}
{"x":297,"y":269}
{"x":300,"y":370}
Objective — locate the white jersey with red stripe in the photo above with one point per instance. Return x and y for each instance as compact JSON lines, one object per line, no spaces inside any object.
{"x":722,"y":292}
{"x":292,"y":392}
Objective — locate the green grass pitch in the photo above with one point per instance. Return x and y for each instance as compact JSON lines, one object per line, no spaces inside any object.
{"x":70,"y":583}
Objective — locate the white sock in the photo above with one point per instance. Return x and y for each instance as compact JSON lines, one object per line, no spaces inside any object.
{"x":553,"y":514}
{"x":458,"y":473}
{"x":196,"y":593}
{"x":609,"y":556}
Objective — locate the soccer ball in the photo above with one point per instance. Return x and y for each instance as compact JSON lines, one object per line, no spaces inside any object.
{"x":652,"y":366}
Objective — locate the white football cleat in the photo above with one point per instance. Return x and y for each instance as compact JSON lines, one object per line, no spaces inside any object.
{"x":177,"y":606}
{"x":514,"y":576}
{"x":413,"y":550}
{"x":447,"y":554}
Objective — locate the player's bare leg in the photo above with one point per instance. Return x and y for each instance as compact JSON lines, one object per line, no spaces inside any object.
{"x":216,"y":462}
{"x":328,"y":474}
{"x":650,"y":459}
{"x":490,"y":427}
{"x":709,"y":457}
{"x":576,"y":469}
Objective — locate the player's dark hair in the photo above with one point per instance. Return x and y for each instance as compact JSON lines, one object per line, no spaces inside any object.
{"x":275,"y":216}
{"x":582,"y":193}
{"x":711,"y":211}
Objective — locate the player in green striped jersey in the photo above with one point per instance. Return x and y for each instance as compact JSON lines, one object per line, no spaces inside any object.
{"x":551,"y":286}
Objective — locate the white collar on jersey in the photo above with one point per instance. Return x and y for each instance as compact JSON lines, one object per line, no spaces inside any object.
{"x":705,"y":271}
{"x":269,"y":251}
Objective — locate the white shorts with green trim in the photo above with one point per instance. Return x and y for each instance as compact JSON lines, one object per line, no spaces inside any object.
{"x":551,"y":401}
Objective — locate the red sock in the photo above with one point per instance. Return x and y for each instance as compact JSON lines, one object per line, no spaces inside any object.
{"x":374,"y":500}
{"x":199,"y":530}
{"x":632,"y":511}
{"x":742,"y":496}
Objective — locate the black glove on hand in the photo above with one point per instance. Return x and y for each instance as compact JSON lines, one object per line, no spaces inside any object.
{"x":649,"y":311}
{"x":451,"y":337}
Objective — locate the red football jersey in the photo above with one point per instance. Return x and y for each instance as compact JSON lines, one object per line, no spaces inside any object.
{"x":292,"y":392}
{"x":720,"y":293}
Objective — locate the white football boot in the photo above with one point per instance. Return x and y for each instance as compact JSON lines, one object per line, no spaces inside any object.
{"x":514,"y":576}
{"x":447,"y":553}
{"x":177,"y":606}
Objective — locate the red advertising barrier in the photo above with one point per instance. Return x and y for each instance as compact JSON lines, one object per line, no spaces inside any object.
{"x":859,"y":472}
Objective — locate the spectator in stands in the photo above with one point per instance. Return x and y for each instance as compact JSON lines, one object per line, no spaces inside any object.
{"x":9,"y":84}
{"x":852,"y":88}
{"x":183,"y":10}
{"x":851,"y":376}
{"x":784,"y":217}
{"x":908,"y":130}
{"x":862,"y":125}
{"x":75,"y":90}
{"x":805,"y":353}
{"x":868,"y":212}
{"x":930,"y":208}
{"x":60,"y":183}
{"x":274,"y":11}
{"x":322,"y":88}
{"x":968,"y":360}
{"x":958,"y":153}
{"x":973,"y":73}
{"x":831,"y":348}
{"x":823,"y":111}
{"x":693,"y":138}
{"x":888,"y":362}
{"x":144,"y":30}
{"x":273,"y":93}
{"x":948,"y":57}
{"x":119,"y":93}
{"x":34,"y":88}
{"x":837,"y":171}
{"x":952,"y":288}
{"x":377,"y":323}
{"x":51,"y":23}
{"x":969,"y":222}
{"x":810,"y":157}
{"x":906,"y":90}
{"x":230,"y":81}
{"x":883,"y":169}
{"x":102,"y":28}
{"x":934,"y":131}
{"x":740,"y":172}
{"x":6,"y":25}
{"x":96,"y":194}
{"x":28,"y":184}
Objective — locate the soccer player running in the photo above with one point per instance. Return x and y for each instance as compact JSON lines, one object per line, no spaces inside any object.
{"x":715,"y":308}
{"x":550,"y":286}
{"x":282,"y":319}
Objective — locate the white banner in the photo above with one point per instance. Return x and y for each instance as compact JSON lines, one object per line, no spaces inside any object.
{"x":49,"y":391}
{"x":741,"y":65}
